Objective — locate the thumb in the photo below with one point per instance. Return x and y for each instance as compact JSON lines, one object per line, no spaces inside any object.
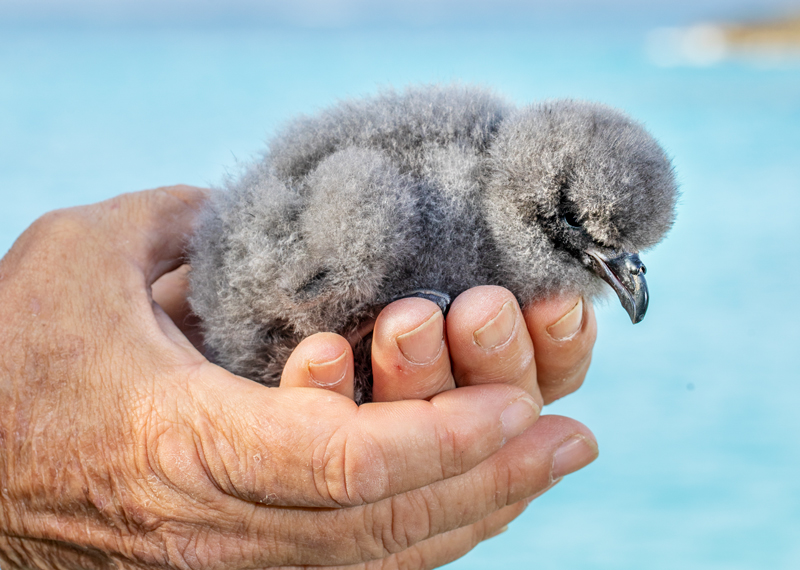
{"x":153,"y":226}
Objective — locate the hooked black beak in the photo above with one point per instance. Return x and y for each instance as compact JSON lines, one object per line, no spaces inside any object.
{"x":625,"y":273}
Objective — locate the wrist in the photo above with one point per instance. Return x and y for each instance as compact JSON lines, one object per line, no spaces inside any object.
{"x":24,"y":542}
{"x":9,"y":557}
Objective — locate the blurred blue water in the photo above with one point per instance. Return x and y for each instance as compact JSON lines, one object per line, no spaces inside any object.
{"x":699,"y":430}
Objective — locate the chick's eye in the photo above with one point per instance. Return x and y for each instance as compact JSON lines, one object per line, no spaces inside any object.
{"x":571,"y":219}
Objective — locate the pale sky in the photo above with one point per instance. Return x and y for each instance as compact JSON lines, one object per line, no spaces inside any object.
{"x":414,"y":13}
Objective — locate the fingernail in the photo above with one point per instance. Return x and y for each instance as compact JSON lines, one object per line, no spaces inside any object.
{"x":497,"y":331}
{"x":424,"y":343}
{"x":568,"y":325}
{"x":518,"y":416}
{"x":573,"y":454}
{"x":499,"y":531}
{"x":328,"y":373}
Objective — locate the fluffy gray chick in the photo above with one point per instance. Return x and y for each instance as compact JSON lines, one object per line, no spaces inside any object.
{"x":437,"y":189}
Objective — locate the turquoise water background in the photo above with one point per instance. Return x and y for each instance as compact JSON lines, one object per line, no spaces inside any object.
{"x":695,"y":409}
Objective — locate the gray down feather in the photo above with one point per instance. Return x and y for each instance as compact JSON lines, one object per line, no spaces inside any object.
{"x":435,"y":187}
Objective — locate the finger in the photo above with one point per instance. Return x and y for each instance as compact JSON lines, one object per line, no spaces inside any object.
{"x":552,"y":448}
{"x":452,"y":545}
{"x":489,"y":341}
{"x":170,"y":292}
{"x":410,"y":359}
{"x":529,"y":465}
{"x":444,"y":548}
{"x":323,"y":360}
{"x":152,"y":227}
{"x":328,"y":452}
{"x":563,"y":332}
{"x":440,"y":549}
{"x":143,"y":236}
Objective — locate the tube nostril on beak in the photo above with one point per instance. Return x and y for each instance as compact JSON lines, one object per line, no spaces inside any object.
{"x":635,"y":266}
{"x":625,"y":273}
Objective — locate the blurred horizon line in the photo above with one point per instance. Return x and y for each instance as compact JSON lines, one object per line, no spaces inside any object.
{"x":318,"y":15}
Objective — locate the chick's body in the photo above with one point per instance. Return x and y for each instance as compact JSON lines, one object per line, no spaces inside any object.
{"x":436,"y":188}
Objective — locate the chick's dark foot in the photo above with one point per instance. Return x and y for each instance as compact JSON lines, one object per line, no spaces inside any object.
{"x":441,"y":299}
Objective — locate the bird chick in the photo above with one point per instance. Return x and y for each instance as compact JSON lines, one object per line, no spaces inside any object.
{"x":430,"y":191}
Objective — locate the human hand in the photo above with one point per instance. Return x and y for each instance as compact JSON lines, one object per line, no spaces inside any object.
{"x":486,"y":339}
{"x":123,"y":447}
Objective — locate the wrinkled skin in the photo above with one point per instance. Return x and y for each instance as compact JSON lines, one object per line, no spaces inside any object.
{"x":121,"y":446}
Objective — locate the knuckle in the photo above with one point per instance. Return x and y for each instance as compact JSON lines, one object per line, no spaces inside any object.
{"x":499,"y":484}
{"x":74,"y":239}
{"x":375,"y":538}
{"x":185,"y":552}
{"x":508,"y":483}
{"x":350,"y":469}
{"x":412,"y":520}
{"x":451,"y":453}
{"x":61,"y":218}
{"x":172,"y":458}
{"x":481,"y":531}
{"x":515,"y":366}
{"x":396,"y":525}
{"x":60,"y":229}
{"x":434,"y":381}
{"x":171,"y":477}
{"x":412,"y":559}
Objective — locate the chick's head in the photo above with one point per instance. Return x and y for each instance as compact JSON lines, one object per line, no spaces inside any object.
{"x":573,"y":187}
